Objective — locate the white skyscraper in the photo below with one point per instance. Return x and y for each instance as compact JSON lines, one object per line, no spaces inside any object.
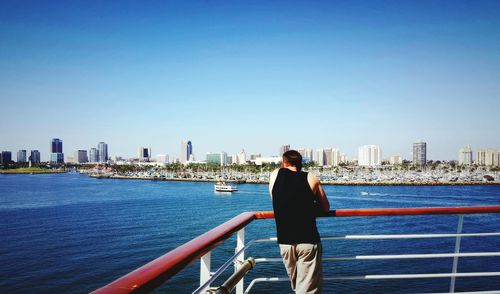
{"x":283,"y":149}
{"x":307,"y":154}
{"x":320,"y":157}
{"x":369,"y":155}
{"x":465,"y":155}
{"x":242,"y":157}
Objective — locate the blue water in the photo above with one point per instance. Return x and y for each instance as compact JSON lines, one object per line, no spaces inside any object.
{"x":71,"y":234}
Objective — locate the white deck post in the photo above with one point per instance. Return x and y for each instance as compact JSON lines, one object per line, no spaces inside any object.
{"x":240,"y":243}
{"x":205,"y":261}
{"x":457,"y":250}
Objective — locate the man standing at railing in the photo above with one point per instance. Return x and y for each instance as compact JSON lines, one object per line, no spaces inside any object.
{"x":297,"y":198}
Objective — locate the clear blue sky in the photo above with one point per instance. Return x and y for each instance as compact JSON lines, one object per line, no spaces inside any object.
{"x":251,"y":74}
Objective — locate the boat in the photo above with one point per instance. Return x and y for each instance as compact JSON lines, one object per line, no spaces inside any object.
{"x":223,"y":187}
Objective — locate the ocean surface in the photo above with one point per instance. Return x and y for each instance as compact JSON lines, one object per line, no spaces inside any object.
{"x":68,"y":233}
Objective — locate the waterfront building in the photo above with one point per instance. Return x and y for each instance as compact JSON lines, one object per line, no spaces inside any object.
{"x":56,"y":151}
{"x":144,"y":154}
{"x":254,"y":156}
{"x":162,"y":158}
{"x":219,"y":158}
{"x":35,"y":157}
{"x":93,"y":155}
{"x":488,"y":157}
{"x":21,"y":156}
{"x":102,"y":148}
{"x":320,"y":155}
{"x":81,"y":156}
{"x":186,"y":151}
{"x":395,"y":159}
{"x":369,"y":155}
{"x":465,"y":155}
{"x":420,"y":153}
{"x":283,"y":149}
{"x":242,"y":157}
{"x":307,"y":154}
{"x":268,"y":160}
{"x":6,"y":157}
{"x":56,"y":158}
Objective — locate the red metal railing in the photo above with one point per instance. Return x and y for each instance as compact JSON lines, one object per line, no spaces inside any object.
{"x":153,"y":274}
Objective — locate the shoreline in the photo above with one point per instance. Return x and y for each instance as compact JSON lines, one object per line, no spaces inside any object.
{"x":14,"y":172}
{"x":329,"y":183}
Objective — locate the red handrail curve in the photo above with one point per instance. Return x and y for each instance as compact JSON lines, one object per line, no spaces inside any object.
{"x":151,"y":275}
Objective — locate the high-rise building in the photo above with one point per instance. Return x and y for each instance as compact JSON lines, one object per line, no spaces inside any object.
{"x":320,"y":157}
{"x":81,"y":156}
{"x":93,"y":155}
{"x":56,"y":151}
{"x":254,"y":156}
{"x":307,"y":154}
{"x":6,"y":157}
{"x":186,"y":151}
{"x":219,"y":158}
{"x":102,"y":148}
{"x":465,"y":155}
{"x":241,"y":158}
{"x":144,"y":154}
{"x":283,"y":149}
{"x":21,"y":156}
{"x":35,"y":157}
{"x":369,"y":155}
{"x":488,"y":157}
{"x":420,"y":153}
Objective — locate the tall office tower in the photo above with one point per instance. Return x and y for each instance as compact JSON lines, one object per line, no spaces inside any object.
{"x":186,"y":151}
{"x":307,"y":154}
{"x":420,"y":153}
{"x":144,"y":154}
{"x":369,"y":155}
{"x":6,"y":157}
{"x":56,"y":151}
{"x":465,"y":155}
{"x":93,"y":155}
{"x":81,"y":156}
{"x":488,"y":157}
{"x":242,"y":157}
{"x":35,"y":157}
{"x":21,"y":156}
{"x":102,"y":148}
{"x":283,"y":149}
{"x":321,"y":158}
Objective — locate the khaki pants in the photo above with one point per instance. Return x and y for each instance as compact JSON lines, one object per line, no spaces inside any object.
{"x":303,"y":265}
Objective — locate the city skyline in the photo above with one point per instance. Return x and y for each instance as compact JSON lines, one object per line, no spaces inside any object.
{"x":320,"y":75}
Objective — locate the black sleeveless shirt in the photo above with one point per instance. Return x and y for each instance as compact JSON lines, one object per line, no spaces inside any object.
{"x":294,"y":208}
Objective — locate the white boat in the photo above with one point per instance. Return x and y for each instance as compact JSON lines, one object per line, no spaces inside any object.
{"x":223,"y":187}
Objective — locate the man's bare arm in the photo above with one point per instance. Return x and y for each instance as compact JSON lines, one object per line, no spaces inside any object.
{"x":318,"y":192}
{"x":272,"y":179}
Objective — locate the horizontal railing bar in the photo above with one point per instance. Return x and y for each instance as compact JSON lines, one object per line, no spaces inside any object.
{"x":393,"y":256}
{"x":408,"y":236}
{"x":259,"y":280}
{"x":415,"y":256}
{"x":397,"y":211}
{"x":413,"y":276}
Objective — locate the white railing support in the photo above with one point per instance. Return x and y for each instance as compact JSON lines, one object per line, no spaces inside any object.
{"x":205,"y":261}
{"x":240,"y":243}
{"x":457,"y":250}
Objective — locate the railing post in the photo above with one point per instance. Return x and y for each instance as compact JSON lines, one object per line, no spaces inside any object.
{"x":205,"y":261}
{"x":240,"y":243}
{"x":457,"y":250}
